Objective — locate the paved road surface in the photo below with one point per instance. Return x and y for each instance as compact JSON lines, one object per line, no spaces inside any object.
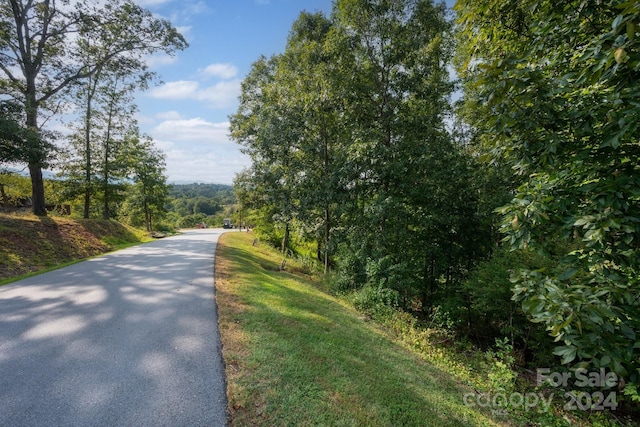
{"x":127,"y":339}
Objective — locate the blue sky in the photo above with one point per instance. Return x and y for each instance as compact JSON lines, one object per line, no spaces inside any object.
{"x":187,"y":115}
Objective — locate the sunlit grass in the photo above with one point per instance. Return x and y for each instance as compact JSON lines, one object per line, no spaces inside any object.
{"x":297,"y":356}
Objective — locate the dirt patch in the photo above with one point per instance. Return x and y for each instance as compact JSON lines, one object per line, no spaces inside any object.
{"x":235,"y":342}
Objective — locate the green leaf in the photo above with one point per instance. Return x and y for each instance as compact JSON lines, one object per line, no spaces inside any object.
{"x":631,"y":30}
{"x":616,"y":23}
{"x":568,"y":353}
{"x":568,"y":274}
{"x":627,"y":331}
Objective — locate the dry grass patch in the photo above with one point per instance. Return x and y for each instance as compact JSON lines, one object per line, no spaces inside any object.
{"x":30,"y":244}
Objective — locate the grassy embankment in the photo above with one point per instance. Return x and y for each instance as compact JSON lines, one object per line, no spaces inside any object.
{"x":31,"y":244}
{"x":297,"y":356}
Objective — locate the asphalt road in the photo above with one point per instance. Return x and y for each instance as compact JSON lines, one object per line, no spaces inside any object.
{"x":127,"y":339}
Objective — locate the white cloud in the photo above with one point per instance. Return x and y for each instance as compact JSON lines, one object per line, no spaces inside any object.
{"x":181,"y":89}
{"x":193,"y":130}
{"x":169,"y":115}
{"x":214,"y":167}
{"x":160,"y":59}
{"x":221,"y":95}
{"x":199,"y":151}
{"x":223,"y":71}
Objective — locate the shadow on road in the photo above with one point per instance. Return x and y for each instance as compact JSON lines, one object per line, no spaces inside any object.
{"x":129,"y":338}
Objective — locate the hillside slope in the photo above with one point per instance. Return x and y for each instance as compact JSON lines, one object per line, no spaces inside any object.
{"x":29,"y":243}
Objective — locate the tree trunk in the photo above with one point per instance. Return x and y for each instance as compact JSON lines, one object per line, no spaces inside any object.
{"x":285,"y":239}
{"x":87,"y":136}
{"x":327,"y":231}
{"x":107,"y":153}
{"x":36,"y":157}
{"x":37,"y":190}
{"x":5,"y":202}
{"x":429,"y":283}
{"x":147,"y":216}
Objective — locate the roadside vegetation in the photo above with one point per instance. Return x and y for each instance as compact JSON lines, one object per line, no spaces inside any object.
{"x":297,"y":354}
{"x":509,"y":221}
{"x":30,"y":244}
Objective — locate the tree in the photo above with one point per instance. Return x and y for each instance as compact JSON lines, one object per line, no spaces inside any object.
{"x":553,"y":89}
{"x":409,"y":214}
{"x":148,"y":194}
{"x":308,"y":78}
{"x":97,"y":161}
{"x":40,"y":58}
{"x":347,"y":135}
{"x":110,"y":87}
{"x":268,"y":130}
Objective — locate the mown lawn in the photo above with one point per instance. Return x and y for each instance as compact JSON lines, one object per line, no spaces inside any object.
{"x":297,"y":356}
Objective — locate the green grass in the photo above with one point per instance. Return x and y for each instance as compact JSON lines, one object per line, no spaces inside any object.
{"x":298,"y":356}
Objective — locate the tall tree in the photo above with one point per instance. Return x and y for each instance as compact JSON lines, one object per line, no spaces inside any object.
{"x":552,"y":89}
{"x":97,"y":157}
{"x":404,"y":172}
{"x":308,"y":77}
{"x":113,"y":82}
{"x":267,"y":128}
{"x":119,"y":129}
{"x":148,"y":194}
{"x":40,"y":58}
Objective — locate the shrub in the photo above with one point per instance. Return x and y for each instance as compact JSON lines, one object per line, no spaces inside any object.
{"x":375,"y":301}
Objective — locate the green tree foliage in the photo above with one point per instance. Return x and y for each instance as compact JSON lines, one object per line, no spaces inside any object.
{"x":100,"y":96}
{"x":42,"y":55}
{"x":100,"y":149}
{"x":269,"y":129}
{"x":553,"y":90}
{"x":308,"y":74}
{"x":16,"y":141}
{"x":190,"y":204}
{"x":13,"y":187}
{"x":412,"y":215}
{"x":347,"y":135}
{"x":148,"y":195}
{"x":222,"y":193}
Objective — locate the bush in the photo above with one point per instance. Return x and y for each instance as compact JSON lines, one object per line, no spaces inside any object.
{"x":375,"y":301}
{"x":164,"y":227}
{"x":485,"y":311}
{"x":190,"y":221}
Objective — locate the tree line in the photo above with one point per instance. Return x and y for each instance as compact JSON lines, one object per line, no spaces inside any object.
{"x":513,"y":211}
{"x":177,"y":206}
{"x":85,"y":59}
